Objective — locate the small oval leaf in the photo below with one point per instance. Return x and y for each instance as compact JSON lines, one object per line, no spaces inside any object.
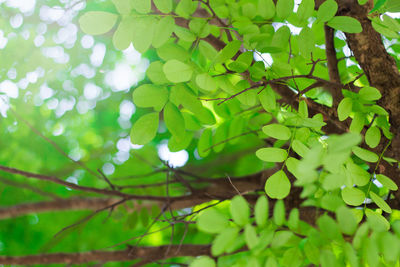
{"x":278,"y":185}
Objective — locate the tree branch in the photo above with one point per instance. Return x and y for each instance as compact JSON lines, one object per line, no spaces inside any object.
{"x":56,"y":205}
{"x":145,"y":254}
{"x":218,"y":189}
{"x":333,"y":70}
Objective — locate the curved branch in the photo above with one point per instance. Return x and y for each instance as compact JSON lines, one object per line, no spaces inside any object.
{"x":56,"y":205}
{"x":218,"y":189}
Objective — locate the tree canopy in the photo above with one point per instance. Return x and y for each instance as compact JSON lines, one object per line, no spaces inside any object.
{"x":200,"y":133}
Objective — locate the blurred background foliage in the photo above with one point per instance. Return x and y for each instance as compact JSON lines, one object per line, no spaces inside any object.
{"x":75,"y":89}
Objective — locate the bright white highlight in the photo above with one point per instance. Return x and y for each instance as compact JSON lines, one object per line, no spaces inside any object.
{"x":126,"y":109}
{"x":9,"y":88}
{"x":121,"y":78}
{"x":97,"y":56}
{"x":265,"y":58}
{"x":16,"y":21}
{"x":87,"y":41}
{"x":174,"y":159}
{"x":108,"y":168}
{"x":25,"y":6}
{"x":91,"y":91}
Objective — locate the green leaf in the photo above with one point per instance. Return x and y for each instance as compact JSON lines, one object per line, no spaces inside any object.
{"x":378,"y":4}
{"x":306,"y":42}
{"x":212,"y":221}
{"x":271,"y":262}
{"x":242,"y":63}
{"x":329,"y":228}
{"x":358,"y":175}
{"x":390,"y":247}
{"x":360,"y":235}
{"x":346,"y":219}
{"x":177,"y":71}
{"x":142,"y":6}
{"x":383,"y":29}
{"x":294,"y":219}
{"x":149,"y":95}
{"x":250,"y":236}
{"x":376,"y":221}
{"x":206,"y":82}
{"x":344,"y":108}
{"x":199,"y":27}
{"x":165,"y":6}
{"x":277,"y":131}
{"x":184,"y":34}
{"x":266,"y":9}
{"x":279,"y":213}
{"x":145,"y":128}
{"x":331,"y":202}
{"x":163,"y":31}
{"x":207,"y":50}
{"x":156,"y":74}
{"x":305,"y":10}
{"x":132,"y":220}
{"x":312,"y":252}
{"x":292,"y":257}
{"x":392,"y":6}
{"x":189,"y":100}
{"x":333,"y":181}
{"x":327,"y":10}
{"x":261,"y":211}
{"x":123,"y":6}
{"x":278,"y":185}
{"x":122,"y":37}
{"x":357,"y":124}
{"x":203,"y":147}
{"x":223,"y":240}
{"x":280,"y":40}
{"x":373,"y":136}
{"x":369,"y":93}
{"x":97,"y":22}
{"x":267,"y":99}
{"x":228,"y":52}
{"x":345,"y":24}
{"x":220,"y":136}
{"x":284,"y":8}
{"x":272,"y":154}
{"x":386,"y":182}
{"x":351,"y":255}
{"x":380,"y":202}
{"x":175,"y":144}
{"x":281,"y":238}
{"x":299,"y":148}
{"x":174,"y":121}
{"x":143,"y":33}
{"x":353,"y":196}
{"x":303,"y":109}
{"x":185,"y":8}
{"x":203,"y":261}
{"x":240,"y":210}
{"x":171,"y":50}
{"x":343,"y":142}
{"x":365,"y":154}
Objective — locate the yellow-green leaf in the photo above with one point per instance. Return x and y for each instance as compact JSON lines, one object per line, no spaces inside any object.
{"x":278,"y":185}
{"x":145,"y":128}
{"x":97,"y":22}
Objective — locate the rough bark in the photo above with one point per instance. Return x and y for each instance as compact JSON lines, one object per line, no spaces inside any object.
{"x":379,"y":67}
